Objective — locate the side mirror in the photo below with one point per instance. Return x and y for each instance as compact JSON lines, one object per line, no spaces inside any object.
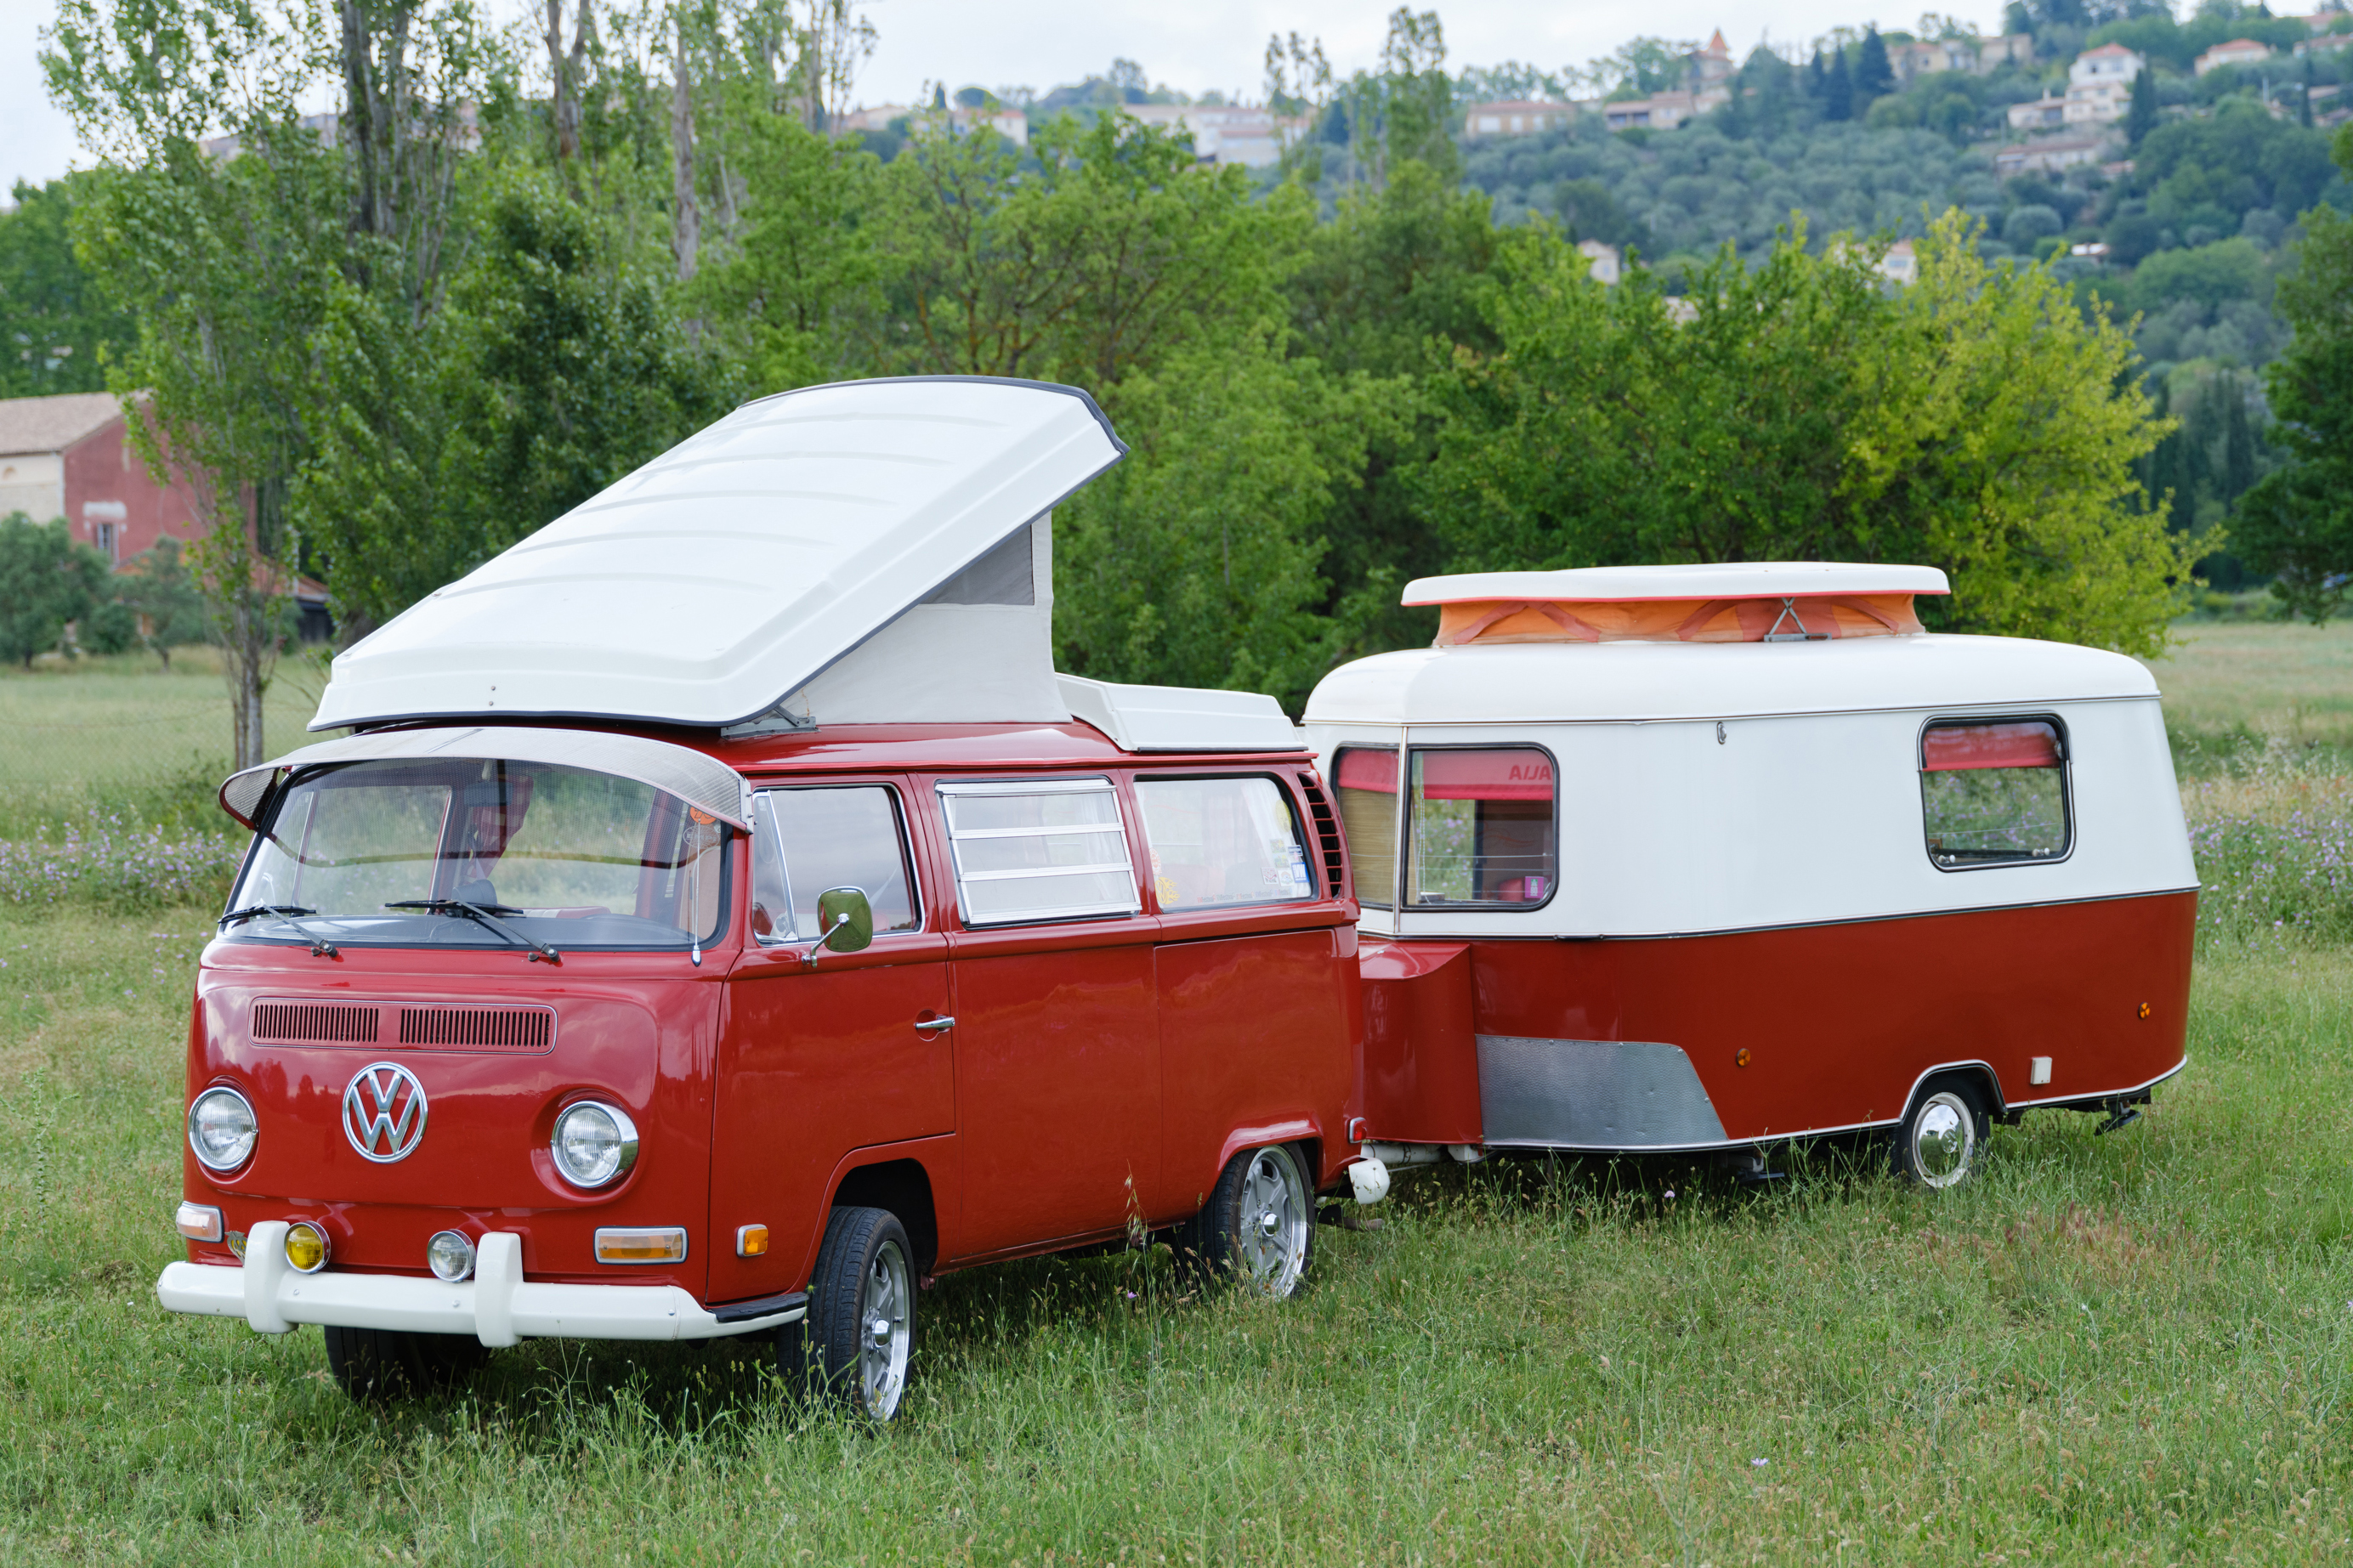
{"x":845,"y":920}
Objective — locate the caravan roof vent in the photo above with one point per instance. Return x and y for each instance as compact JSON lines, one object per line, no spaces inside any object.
{"x":1759,"y":601}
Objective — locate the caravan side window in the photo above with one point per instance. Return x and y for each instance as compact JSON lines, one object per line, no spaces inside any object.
{"x":804,"y":841}
{"x":1480,"y":828}
{"x":1994,"y":793}
{"x":1366,"y":780}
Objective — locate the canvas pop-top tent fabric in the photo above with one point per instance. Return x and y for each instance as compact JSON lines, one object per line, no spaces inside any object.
{"x":864,"y":553}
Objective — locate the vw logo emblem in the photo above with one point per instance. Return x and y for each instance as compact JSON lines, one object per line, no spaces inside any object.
{"x":384,"y":1112}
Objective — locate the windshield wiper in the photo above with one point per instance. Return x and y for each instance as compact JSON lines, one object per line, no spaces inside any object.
{"x":320,"y":946}
{"x":482,"y":915}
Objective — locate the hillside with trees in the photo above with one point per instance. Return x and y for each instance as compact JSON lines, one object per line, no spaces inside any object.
{"x":395,"y":343}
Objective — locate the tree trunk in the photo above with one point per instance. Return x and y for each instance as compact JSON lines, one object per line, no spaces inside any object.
{"x":564,"y":71}
{"x":686,"y":229}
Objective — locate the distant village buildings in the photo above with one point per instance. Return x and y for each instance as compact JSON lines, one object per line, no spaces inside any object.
{"x":2237,"y":52}
{"x":1252,"y":135}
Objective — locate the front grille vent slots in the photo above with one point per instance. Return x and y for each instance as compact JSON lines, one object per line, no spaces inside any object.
{"x":1327,"y":833}
{"x":478,"y":1029}
{"x":314,"y":1023}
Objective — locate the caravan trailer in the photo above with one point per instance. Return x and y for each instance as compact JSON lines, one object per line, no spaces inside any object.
{"x":1709,"y":858}
{"x":722,"y":919}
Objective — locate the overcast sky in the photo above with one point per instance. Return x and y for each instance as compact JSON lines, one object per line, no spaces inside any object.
{"x":1195,"y":46}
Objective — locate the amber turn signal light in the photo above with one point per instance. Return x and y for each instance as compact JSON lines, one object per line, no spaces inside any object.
{"x":641,"y":1244}
{"x":1740,"y":1057}
{"x":2144,"y":1009}
{"x":751,"y":1240}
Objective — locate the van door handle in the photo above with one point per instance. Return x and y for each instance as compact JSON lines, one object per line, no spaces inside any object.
{"x":934,"y":1022}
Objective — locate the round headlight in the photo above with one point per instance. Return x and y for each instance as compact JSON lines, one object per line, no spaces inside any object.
{"x":221,"y":1129}
{"x":306,"y":1248}
{"x":450,"y":1255}
{"x":593,"y":1144}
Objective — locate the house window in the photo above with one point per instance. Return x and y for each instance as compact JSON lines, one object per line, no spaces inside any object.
{"x":110,"y":536}
{"x":1366,"y":779}
{"x":1480,"y":828}
{"x":1216,"y":842}
{"x":806,"y":841}
{"x":1050,"y":849}
{"x":1994,"y":793}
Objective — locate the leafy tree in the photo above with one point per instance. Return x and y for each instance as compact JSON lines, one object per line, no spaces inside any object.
{"x":2298,"y":522}
{"x":157,"y":587}
{"x":48,"y":579}
{"x":1978,"y":421}
{"x":55,"y":325}
{"x":551,"y":372}
{"x":1587,"y":211}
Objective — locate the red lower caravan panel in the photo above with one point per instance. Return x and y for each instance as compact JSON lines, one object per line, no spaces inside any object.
{"x":1678,"y":1042}
{"x":1421,"y":1059}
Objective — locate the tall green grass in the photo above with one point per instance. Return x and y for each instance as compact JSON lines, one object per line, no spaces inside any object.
{"x":2114,"y":1349}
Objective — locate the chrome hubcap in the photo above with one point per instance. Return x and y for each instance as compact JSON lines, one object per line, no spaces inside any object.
{"x":883,"y":1308}
{"x":1272,"y":1241}
{"x":1944,"y":1140}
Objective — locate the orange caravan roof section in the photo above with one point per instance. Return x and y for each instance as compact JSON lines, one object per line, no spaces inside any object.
{"x":1728,"y":603}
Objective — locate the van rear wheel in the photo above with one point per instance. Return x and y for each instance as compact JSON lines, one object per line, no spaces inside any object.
{"x":384,"y":1363}
{"x":1258,"y":1229}
{"x":1940,"y":1143}
{"x":860,"y":1333}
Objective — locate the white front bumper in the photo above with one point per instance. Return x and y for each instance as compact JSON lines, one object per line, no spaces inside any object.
{"x":498,"y":1305}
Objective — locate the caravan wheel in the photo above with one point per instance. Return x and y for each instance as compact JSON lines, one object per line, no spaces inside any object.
{"x":1940,"y":1143}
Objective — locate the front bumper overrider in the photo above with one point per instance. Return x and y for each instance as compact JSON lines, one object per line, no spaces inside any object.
{"x":497,"y":1306}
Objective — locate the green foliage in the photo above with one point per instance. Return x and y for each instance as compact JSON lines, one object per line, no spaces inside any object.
{"x":2213,"y":169}
{"x":47,"y":578}
{"x":55,"y":327}
{"x":157,"y":587}
{"x":552,"y":370}
{"x":1973,"y":421}
{"x":2209,"y":274}
{"x":2299,"y":521}
{"x":2157,"y":36}
{"x":2141,"y":116}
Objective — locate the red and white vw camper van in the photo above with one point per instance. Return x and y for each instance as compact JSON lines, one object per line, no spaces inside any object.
{"x":1711,"y":857}
{"x":722,"y":919}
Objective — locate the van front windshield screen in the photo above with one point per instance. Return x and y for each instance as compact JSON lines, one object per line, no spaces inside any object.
{"x":383,"y":853}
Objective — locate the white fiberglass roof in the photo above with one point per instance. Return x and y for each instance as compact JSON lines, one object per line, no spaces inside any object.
{"x":728,"y":572}
{"x":1726,"y":580}
{"x":1182,"y":717}
{"x":1537,"y":682}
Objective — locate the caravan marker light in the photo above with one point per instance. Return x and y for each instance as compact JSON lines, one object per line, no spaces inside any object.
{"x":198,"y":1222}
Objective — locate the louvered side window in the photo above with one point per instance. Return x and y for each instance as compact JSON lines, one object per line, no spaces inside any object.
{"x":1052,"y":849}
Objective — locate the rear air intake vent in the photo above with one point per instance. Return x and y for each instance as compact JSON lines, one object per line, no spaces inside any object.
{"x":478,"y":1029}
{"x":1327,"y":835}
{"x":314,"y":1023}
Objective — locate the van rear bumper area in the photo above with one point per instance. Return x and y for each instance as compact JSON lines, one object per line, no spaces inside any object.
{"x":497,"y":1306}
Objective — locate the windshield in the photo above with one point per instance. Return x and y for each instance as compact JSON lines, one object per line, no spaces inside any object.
{"x":561,"y":855}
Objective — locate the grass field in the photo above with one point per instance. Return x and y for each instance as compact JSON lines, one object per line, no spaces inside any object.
{"x":2285,"y":679}
{"x":2128,"y":1348}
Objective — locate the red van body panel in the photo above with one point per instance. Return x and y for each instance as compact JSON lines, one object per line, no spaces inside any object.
{"x":1098,"y":1072}
{"x":636,"y":1028}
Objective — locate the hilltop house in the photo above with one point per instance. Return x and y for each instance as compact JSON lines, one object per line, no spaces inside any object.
{"x":2237,"y":52}
{"x":1249,"y":134}
{"x":1516,"y":116}
{"x":1604,"y":264}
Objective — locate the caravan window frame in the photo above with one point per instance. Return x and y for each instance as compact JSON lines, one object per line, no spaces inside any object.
{"x":1405,"y":851}
{"x":2066,"y":770}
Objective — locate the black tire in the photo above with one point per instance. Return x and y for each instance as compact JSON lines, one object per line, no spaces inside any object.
{"x":386,"y":1364}
{"x":865,"y":1272}
{"x":1942,"y":1139}
{"x":1257,"y":1232}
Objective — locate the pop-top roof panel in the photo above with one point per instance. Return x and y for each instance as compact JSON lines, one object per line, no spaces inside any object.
{"x":726,"y":573}
{"x":1725,"y":579}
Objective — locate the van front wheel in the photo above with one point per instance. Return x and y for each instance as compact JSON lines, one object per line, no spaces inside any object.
{"x":1258,"y":1229}
{"x":379,"y":1363}
{"x":861,"y":1328}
